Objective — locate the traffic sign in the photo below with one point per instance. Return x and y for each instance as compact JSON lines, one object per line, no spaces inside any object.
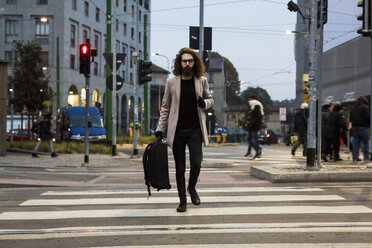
{"x":119,"y":59}
{"x":119,"y":82}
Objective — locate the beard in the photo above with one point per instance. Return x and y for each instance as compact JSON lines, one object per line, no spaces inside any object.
{"x":187,"y":71}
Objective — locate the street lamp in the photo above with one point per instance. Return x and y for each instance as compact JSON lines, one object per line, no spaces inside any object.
{"x":161,"y":55}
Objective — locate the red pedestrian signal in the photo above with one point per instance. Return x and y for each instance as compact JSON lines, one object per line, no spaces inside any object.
{"x":84,"y":59}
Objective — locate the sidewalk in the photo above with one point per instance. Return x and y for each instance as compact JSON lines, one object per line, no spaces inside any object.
{"x":295,"y":170}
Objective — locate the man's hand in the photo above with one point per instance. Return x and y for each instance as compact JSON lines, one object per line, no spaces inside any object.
{"x":159,"y":135}
{"x":201,"y":102}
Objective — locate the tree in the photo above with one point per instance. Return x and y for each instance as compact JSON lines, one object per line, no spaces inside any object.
{"x":231,"y":78}
{"x":30,"y":81}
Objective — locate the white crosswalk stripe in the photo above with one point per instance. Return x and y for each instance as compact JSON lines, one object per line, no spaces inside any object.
{"x":132,"y":204}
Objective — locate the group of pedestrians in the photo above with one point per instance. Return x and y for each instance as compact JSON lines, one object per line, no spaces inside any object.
{"x":334,"y":129}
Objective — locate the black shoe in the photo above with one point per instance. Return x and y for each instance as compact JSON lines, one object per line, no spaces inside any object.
{"x":325,"y":158}
{"x":194,"y":196}
{"x":293,"y":152}
{"x":247,"y":154}
{"x":35,"y":155}
{"x":53,"y":155}
{"x":182,"y":206}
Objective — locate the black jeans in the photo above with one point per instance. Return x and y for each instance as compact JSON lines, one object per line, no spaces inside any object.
{"x":193,"y":139}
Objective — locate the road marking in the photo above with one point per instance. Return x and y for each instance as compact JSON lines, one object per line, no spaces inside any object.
{"x":93,"y":231}
{"x":207,"y":190}
{"x":163,"y":200}
{"x":171,"y":212}
{"x":278,"y":245}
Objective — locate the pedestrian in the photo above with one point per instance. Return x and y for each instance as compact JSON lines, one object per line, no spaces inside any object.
{"x":360,"y":120}
{"x":255,"y":122}
{"x":185,"y":98}
{"x":334,"y":125}
{"x":300,"y":128}
{"x":45,"y":136}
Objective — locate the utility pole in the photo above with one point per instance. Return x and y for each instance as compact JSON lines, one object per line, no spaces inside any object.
{"x":201,"y":29}
{"x":58,"y":78}
{"x":135,"y":124}
{"x":320,"y":83}
{"x":311,"y":148}
{"x":108,"y":98}
{"x":114,"y":65}
{"x":146,"y":86}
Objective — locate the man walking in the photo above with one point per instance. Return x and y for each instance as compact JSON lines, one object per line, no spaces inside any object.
{"x":300,"y":127}
{"x":360,"y":120}
{"x":45,"y":135}
{"x":255,"y":120}
{"x":185,"y":98}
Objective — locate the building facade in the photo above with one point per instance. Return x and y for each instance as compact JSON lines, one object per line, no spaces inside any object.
{"x":70,"y":23}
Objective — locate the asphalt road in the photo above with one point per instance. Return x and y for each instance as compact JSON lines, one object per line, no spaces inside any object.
{"x":111,"y":209}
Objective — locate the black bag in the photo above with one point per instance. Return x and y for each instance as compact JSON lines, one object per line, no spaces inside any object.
{"x":36,"y":127}
{"x":155,"y":166}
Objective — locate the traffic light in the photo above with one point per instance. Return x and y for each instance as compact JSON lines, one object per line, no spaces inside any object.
{"x":325,"y":12}
{"x":144,"y":68}
{"x":85,"y":52}
{"x":365,"y":17}
{"x":305,"y":87}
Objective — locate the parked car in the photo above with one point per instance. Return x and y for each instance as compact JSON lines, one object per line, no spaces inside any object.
{"x":267,"y":136}
{"x":17,"y":135}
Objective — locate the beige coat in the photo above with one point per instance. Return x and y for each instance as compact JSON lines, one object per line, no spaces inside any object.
{"x":171,"y":102}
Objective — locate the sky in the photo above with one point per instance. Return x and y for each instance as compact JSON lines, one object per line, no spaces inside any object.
{"x":250,"y":33}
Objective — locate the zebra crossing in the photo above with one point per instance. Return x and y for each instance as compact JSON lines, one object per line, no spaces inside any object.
{"x":103,"y":213}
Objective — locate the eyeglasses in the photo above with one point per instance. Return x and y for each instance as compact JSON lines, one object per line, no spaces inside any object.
{"x":185,"y":61}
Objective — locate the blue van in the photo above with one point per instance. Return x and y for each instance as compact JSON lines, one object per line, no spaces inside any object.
{"x":71,"y":124}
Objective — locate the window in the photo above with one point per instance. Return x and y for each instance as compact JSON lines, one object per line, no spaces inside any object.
{"x":72,"y":61}
{"x":11,"y":1}
{"x":132,"y":33}
{"x":96,"y":41}
{"x":140,"y":2}
{"x":131,"y":78}
{"x":117,"y":25}
{"x":117,"y":3}
{"x":125,"y":52}
{"x":125,"y":5}
{"x":97,"y":14}
{"x":42,"y":32}
{"x":146,"y":4}
{"x":139,"y":16}
{"x":132,"y":11}
{"x":42,"y":1}
{"x":85,"y":36}
{"x":44,"y":58}
{"x":95,"y":68}
{"x":125,"y":29}
{"x":131,"y":59}
{"x":11,"y":31}
{"x":139,"y":37}
{"x":123,"y":75}
{"x":8,"y":55}
{"x":73,"y":2}
{"x":86,"y":9}
{"x":73,"y":36}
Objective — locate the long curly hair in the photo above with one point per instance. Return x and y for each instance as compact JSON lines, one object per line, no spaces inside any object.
{"x":199,"y":68}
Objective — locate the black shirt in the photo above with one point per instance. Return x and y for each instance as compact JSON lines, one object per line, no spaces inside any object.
{"x":188,"y":112}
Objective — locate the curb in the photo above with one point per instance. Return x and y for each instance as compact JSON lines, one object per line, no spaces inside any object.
{"x":277,"y":175}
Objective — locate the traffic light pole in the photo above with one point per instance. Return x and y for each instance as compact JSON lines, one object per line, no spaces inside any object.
{"x":86,"y":138}
{"x":135,"y":136}
{"x":113,"y":101}
{"x":311,"y":148}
